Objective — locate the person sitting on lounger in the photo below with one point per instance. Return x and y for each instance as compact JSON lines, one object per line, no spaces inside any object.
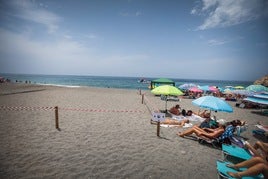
{"x":204,"y":114}
{"x":255,"y":166}
{"x":175,"y":110}
{"x":259,"y":149}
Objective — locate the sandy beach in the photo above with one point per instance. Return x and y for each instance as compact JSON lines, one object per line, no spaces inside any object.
{"x":104,"y":133}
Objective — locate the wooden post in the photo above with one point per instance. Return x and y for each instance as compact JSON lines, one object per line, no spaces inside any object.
{"x":140,"y":91}
{"x":57,"y":117}
{"x":158,"y":129}
{"x":142,"y":98}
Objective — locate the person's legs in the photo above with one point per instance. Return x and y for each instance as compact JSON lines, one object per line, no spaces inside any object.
{"x":261,"y":145}
{"x":200,"y":130}
{"x":186,"y":132}
{"x":253,"y":149}
{"x":248,"y":163}
{"x":252,"y":171}
{"x":183,"y":122}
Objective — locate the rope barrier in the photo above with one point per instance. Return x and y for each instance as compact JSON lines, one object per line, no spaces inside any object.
{"x":27,"y":108}
{"x":153,"y":107}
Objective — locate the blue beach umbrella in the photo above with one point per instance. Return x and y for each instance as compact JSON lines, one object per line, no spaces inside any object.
{"x":204,"y":88}
{"x":257,"y":100}
{"x":243,"y":92}
{"x":213,"y":103}
{"x":187,"y":86}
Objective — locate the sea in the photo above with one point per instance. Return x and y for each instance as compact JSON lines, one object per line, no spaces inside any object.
{"x":111,"y":81}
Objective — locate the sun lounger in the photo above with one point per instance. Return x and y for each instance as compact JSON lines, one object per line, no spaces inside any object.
{"x":223,"y":169}
{"x":261,"y":132}
{"x":234,"y":151}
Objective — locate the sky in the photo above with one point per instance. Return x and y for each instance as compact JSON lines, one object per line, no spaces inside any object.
{"x":185,"y":39}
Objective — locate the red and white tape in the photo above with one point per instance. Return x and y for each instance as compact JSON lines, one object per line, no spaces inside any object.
{"x":103,"y":110}
{"x":19,"y":108}
{"x":154,"y":108}
{"x":27,"y":108}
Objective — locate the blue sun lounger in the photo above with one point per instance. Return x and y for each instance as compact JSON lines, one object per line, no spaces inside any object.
{"x":234,"y":151}
{"x":223,"y":169}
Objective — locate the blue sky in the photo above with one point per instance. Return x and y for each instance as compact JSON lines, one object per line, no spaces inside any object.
{"x":198,"y":39}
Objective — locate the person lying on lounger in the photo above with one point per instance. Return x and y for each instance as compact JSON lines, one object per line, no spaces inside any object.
{"x":255,"y":166}
{"x":212,"y":133}
{"x":179,"y":123}
{"x":188,"y":113}
{"x":207,"y":132}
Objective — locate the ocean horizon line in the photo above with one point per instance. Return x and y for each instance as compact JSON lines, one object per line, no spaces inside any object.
{"x":137,"y":77}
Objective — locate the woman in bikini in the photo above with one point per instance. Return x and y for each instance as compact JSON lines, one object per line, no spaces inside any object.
{"x":206,"y":132}
{"x":177,"y":123}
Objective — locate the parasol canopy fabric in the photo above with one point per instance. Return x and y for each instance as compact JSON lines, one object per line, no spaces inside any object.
{"x":213,"y":103}
{"x":166,"y":90}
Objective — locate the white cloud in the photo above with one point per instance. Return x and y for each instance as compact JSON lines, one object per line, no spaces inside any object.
{"x":229,"y":12}
{"x":64,"y":55}
{"x":215,"y":42}
{"x":31,"y":12}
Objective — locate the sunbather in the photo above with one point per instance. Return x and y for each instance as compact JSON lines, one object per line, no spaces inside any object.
{"x":175,"y":122}
{"x":259,"y":149}
{"x":175,"y":110}
{"x":255,"y":166}
{"x":204,"y":114}
{"x":188,"y":113}
{"x":206,"y":132}
{"x":221,"y":131}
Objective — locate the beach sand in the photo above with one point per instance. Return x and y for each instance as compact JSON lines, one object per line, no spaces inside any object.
{"x":104,"y":133}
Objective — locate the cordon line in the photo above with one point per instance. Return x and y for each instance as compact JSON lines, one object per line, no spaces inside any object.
{"x":31,"y":108}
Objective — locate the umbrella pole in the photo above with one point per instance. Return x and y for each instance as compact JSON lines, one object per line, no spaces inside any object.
{"x":166,"y":104}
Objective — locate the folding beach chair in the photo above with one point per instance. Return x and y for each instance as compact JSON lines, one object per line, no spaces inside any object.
{"x":223,"y":169}
{"x":234,"y":151}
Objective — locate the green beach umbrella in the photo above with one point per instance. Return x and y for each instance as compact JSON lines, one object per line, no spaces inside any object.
{"x":167,"y":90}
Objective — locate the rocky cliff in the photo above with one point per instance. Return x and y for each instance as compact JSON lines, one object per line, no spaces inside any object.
{"x":262,"y":81}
